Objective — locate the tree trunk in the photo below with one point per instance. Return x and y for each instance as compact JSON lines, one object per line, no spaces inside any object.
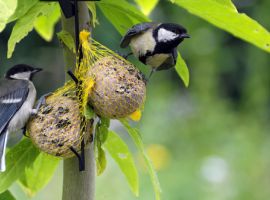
{"x":78,"y":185}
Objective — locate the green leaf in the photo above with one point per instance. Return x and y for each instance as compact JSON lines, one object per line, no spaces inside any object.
{"x":22,"y":7}
{"x":39,"y":174}
{"x":25,"y":24}
{"x":103,"y":129}
{"x":8,"y":7}
{"x":227,"y":3}
{"x":182,"y":70}
{"x":44,"y":24}
{"x":67,"y":39}
{"x":122,"y":156}
{"x":100,"y":137}
{"x":223,"y":14}
{"x":147,"y":6}
{"x":92,"y":7}
{"x":89,"y":112}
{"x":17,"y":158}
{"x":101,"y":161}
{"x":7,"y":196}
{"x":134,"y":133}
{"x":121,"y":14}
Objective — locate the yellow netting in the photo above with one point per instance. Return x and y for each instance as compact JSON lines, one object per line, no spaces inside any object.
{"x":92,"y":53}
{"x":58,"y":124}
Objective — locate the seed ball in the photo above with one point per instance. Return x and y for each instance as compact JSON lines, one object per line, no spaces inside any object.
{"x":56,"y":127}
{"x":119,"y":88}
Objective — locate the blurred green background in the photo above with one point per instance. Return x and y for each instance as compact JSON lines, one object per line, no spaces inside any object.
{"x":210,"y":141}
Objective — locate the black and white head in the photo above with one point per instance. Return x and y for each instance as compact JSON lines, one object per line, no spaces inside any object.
{"x":22,"y":72}
{"x":170,"y":33}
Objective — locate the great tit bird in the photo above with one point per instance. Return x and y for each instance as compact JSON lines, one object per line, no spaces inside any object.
{"x":17,"y":98}
{"x":155,"y":44}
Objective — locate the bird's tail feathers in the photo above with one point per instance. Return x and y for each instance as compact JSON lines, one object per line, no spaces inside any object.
{"x":3,"y":144}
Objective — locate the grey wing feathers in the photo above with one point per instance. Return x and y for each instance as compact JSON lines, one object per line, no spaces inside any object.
{"x":134,"y":30}
{"x":170,"y":62}
{"x":12,"y":95}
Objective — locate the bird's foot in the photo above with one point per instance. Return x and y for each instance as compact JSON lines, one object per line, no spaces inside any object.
{"x":24,"y":131}
{"x":151,"y":73}
{"x":125,"y":56}
{"x":41,"y":101}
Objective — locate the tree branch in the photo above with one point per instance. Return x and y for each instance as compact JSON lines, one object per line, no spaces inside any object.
{"x":76,"y":184}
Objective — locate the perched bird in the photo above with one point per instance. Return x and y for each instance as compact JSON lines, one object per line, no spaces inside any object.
{"x":155,"y":44}
{"x":17,"y":98}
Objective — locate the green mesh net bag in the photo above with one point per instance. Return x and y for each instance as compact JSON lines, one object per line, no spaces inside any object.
{"x":112,"y":86}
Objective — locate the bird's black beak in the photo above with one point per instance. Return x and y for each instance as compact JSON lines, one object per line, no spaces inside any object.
{"x":36,"y":70}
{"x":184,"y":35}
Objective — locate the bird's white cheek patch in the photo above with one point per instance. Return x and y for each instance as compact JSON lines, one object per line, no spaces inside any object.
{"x":9,"y":101}
{"x":165,"y":35}
{"x":23,"y":76}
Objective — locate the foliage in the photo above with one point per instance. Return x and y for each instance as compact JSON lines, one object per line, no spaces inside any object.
{"x":39,"y":174}
{"x":18,"y":159}
{"x":92,"y":8}
{"x":119,"y":151}
{"x":182,"y":69}
{"x":6,"y":196}
{"x":44,"y":24}
{"x":7,"y":9}
{"x":100,"y":137}
{"x":34,"y":170}
{"x":89,"y":112}
{"x":23,"y":6}
{"x":147,"y":6}
{"x":66,"y":39}
{"x":134,"y":134}
{"x":121,"y":14}
{"x":224,"y":15}
{"x":26,"y":23}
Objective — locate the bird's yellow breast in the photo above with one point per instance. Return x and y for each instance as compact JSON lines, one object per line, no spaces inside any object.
{"x":157,"y":59}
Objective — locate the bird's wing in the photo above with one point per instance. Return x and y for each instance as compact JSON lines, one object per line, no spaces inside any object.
{"x":170,"y":62}
{"x":134,"y":30}
{"x":3,"y":144}
{"x":12,"y":95}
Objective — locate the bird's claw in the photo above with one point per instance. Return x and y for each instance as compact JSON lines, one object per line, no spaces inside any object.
{"x":151,"y":73}
{"x":41,"y":101}
{"x":24,"y":131}
{"x":125,"y":56}
{"x":34,"y":111}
